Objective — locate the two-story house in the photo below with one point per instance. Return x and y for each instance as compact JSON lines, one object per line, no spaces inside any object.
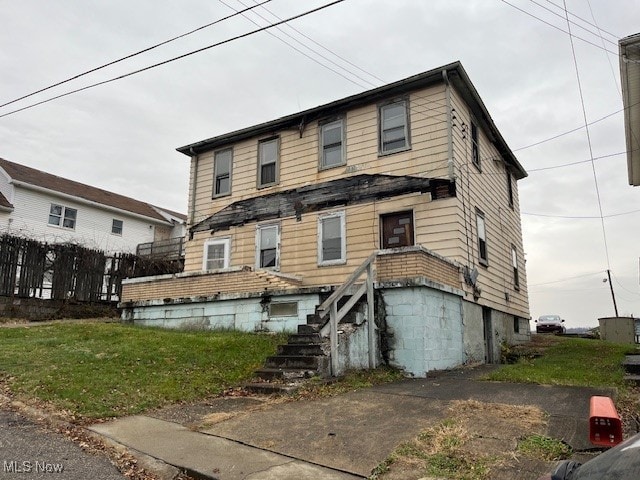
{"x":410,"y":183}
{"x":53,"y":209}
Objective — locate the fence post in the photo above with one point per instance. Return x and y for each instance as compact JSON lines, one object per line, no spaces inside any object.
{"x":371,"y":321}
{"x":333,"y":333}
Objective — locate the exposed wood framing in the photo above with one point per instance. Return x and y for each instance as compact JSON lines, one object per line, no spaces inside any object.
{"x":322,"y":196}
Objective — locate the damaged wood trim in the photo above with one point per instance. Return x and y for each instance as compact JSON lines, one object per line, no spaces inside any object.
{"x":322,"y":196}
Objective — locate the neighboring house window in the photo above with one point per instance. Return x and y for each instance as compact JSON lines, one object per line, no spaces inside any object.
{"x":61,"y":216}
{"x":510,"y":188}
{"x":394,"y":127}
{"x":222,"y":172}
{"x":482,"y":238}
{"x":267,"y":246}
{"x":331,"y":239}
{"x":116,"y":227}
{"x":514,"y":262}
{"x":268,"y":162}
{"x":475,"y":146}
{"x":332,"y":144}
{"x":216,"y":254}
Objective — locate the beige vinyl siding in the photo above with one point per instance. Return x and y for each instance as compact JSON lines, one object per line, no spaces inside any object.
{"x":487,"y":191}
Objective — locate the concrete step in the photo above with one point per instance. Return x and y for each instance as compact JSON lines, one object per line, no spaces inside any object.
{"x":304,"y":349}
{"x":266,"y":388}
{"x":635,"y":379}
{"x":631,"y":364}
{"x":302,"y":338}
{"x":306,"y":329}
{"x":314,"y":319}
{"x":294,"y":362}
{"x":284,"y":373}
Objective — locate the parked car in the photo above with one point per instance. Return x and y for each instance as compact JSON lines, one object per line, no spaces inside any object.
{"x":622,"y":462}
{"x":550,"y":324}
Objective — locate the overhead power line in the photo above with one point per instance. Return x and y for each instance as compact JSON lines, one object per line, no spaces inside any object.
{"x":575,"y":217}
{"x":567,"y":278}
{"x":131,"y":55}
{"x":179,"y":57}
{"x":584,"y":20}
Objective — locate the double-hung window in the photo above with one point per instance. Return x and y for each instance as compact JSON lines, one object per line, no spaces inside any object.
{"x":510,"y":188}
{"x":116,"y":226}
{"x":268,"y":162}
{"x":514,"y":262}
{"x":475,"y":146}
{"x":267,"y":246}
{"x":394,"y":127}
{"x":482,"y":238}
{"x":222,"y":161}
{"x":216,"y":254}
{"x":61,"y":216}
{"x":332,"y":152}
{"x":332,"y":239}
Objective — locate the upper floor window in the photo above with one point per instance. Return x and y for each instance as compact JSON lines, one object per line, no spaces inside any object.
{"x":332,"y":144}
{"x":482,"y":238}
{"x":116,"y":226}
{"x":514,"y":262}
{"x":475,"y":146}
{"x":216,"y":254}
{"x":331,"y":239}
{"x":394,"y":127}
{"x":267,"y":246}
{"x":510,"y":188}
{"x":61,"y":216}
{"x":222,"y":172}
{"x":268,"y":162}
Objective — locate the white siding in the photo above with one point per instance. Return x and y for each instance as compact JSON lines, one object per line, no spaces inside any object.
{"x":93,"y":225}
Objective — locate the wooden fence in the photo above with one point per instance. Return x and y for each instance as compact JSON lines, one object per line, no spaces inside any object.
{"x":31,"y":269}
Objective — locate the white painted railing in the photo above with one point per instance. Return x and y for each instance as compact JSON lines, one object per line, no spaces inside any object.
{"x":330,"y":307}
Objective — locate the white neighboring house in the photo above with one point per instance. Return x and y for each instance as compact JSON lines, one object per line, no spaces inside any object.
{"x":52,"y":209}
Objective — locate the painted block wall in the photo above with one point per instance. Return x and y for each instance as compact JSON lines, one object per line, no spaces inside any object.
{"x":245,"y":314}
{"x":426,"y":328}
{"x":473,"y":332}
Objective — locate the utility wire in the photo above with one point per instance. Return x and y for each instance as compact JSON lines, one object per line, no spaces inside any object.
{"x":558,"y":28}
{"x":132,"y":54}
{"x":179,"y":57}
{"x":584,"y":20}
{"x":314,"y":59}
{"x":586,"y":124}
{"x":529,"y":170}
{"x":324,"y":47}
{"x":567,"y":278}
{"x":573,"y":217}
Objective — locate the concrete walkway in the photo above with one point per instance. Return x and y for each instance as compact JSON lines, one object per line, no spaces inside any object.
{"x":342,"y":437}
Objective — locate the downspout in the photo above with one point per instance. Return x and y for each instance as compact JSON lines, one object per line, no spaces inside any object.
{"x":447,"y":92}
{"x":194,"y":178}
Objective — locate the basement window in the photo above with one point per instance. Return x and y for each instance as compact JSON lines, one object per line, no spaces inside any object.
{"x":283,"y":309}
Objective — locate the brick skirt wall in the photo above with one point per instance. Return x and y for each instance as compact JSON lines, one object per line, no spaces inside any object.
{"x":416,"y":262}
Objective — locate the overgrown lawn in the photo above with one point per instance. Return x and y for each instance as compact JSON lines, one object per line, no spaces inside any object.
{"x":98,"y":370}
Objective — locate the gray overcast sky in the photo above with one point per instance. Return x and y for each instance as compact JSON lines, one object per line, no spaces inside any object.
{"x":122,"y":136}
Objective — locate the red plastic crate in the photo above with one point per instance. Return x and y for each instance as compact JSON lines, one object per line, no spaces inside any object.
{"x":605,"y":427}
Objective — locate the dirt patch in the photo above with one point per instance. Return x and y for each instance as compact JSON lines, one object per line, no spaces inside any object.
{"x":477,"y":441}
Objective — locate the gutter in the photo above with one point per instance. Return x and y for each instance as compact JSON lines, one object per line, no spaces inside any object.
{"x":84,"y":201}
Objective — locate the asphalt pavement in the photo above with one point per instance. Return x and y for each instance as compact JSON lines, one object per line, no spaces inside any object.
{"x":31,"y":452}
{"x":342,"y":437}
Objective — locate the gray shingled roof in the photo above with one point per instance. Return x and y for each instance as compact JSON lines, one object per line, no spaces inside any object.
{"x":38,"y":178}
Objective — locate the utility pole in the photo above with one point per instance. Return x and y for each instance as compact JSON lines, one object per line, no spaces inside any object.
{"x":613,"y":296}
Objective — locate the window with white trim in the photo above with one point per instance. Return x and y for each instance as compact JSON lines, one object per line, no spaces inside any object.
{"x":475,"y":145}
{"x":332,"y":144}
{"x":268,"y":246}
{"x":61,"y":216}
{"x":332,"y":243}
{"x":222,"y":162}
{"x":394,"y":127}
{"x":514,"y":262}
{"x":216,"y":254}
{"x":268,"y":151}
{"x":482,"y":238}
{"x":116,"y":226}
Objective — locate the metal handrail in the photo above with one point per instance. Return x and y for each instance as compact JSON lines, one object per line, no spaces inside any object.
{"x":330,"y":307}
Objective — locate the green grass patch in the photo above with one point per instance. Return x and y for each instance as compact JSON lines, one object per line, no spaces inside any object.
{"x":569,"y":361}
{"x":544,"y":448}
{"x":99,"y":370}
